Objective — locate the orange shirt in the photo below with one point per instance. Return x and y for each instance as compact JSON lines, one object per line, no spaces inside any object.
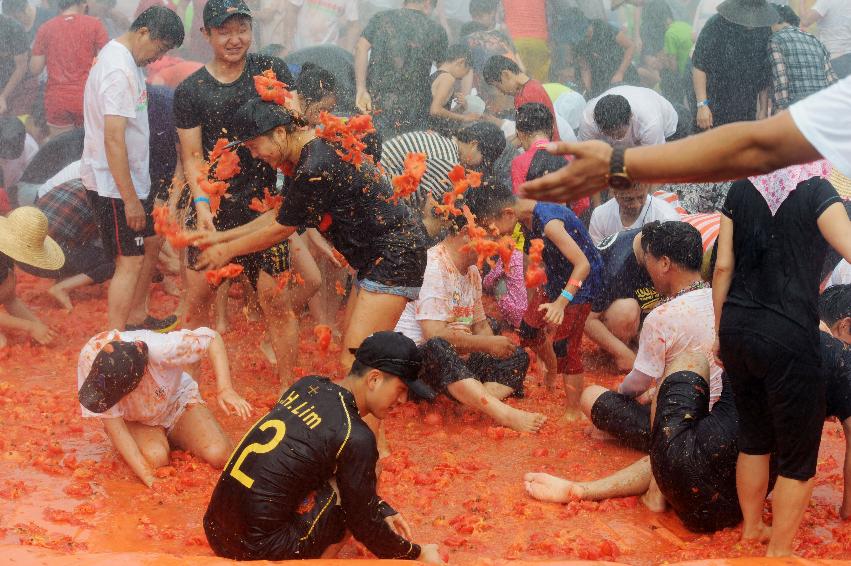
{"x":526,"y":18}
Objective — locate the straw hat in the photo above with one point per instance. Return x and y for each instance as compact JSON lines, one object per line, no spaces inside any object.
{"x":841,"y":183}
{"x":749,"y":13}
{"x":23,"y":237}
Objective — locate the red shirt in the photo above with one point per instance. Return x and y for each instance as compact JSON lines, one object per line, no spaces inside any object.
{"x":522,"y":163}
{"x":69,"y":45}
{"x":533,"y":91}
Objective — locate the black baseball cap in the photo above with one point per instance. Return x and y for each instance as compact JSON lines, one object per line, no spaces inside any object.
{"x":396,"y":354}
{"x":256,"y":117}
{"x":217,"y":11}
{"x":116,"y":371}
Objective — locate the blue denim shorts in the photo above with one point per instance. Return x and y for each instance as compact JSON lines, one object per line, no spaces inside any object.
{"x":412,"y":293}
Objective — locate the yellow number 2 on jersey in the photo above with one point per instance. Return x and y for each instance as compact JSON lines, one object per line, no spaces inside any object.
{"x":257,"y":448}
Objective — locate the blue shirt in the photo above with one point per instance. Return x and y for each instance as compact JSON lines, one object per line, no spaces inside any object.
{"x":556,"y":266}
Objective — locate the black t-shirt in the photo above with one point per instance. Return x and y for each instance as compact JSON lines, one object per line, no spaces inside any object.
{"x":54,"y":156}
{"x":7,"y":265}
{"x":364,"y":223}
{"x":201,"y":100}
{"x":13,"y":41}
{"x":163,"y":141}
{"x":404,"y":43}
{"x":775,"y":287}
{"x":623,"y":278}
{"x":836,"y":365}
{"x":735,"y":60}
{"x":312,"y":435}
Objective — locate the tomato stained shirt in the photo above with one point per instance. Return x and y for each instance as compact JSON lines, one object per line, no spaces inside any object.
{"x":281,"y":471}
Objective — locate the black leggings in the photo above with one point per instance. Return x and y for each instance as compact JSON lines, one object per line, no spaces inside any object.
{"x":87,"y":258}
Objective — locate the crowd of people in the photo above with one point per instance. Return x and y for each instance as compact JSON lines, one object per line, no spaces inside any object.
{"x":449,"y":188}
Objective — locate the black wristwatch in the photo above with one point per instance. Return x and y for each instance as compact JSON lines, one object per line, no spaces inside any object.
{"x":618,"y":178}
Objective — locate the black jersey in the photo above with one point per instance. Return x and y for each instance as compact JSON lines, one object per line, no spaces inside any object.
{"x":280,"y":472}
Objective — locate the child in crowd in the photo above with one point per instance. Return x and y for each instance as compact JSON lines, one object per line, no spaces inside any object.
{"x":573,"y":268}
{"x":456,"y":64}
{"x":134,"y":381}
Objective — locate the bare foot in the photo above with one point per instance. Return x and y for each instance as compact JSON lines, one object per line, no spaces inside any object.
{"x":761,"y":533}
{"x":268,"y":351}
{"x":62,"y":297}
{"x":549,"y":380}
{"x":570,"y":416}
{"x":654,"y":500}
{"x":522,"y":421}
{"x":545,"y":487}
{"x":597,"y":434}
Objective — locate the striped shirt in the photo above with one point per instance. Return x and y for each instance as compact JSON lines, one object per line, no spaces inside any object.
{"x":441,"y":156}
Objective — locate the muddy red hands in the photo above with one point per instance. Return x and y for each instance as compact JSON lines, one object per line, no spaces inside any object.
{"x":348,"y":133}
{"x":535,"y":274}
{"x":168,"y":228}
{"x":271,"y":89}
{"x":216,"y":276}
{"x":408,"y":182}
{"x":269,"y":202}
{"x":214,"y":174}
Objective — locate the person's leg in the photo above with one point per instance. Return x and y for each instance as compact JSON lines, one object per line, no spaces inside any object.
{"x":139,"y":305}
{"x":372,"y":312}
{"x":752,"y":487}
{"x":623,"y":319}
{"x":281,"y":324}
{"x":152,"y":443}
{"x":60,"y":291}
{"x":472,"y":393}
{"x":588,"y":397}
{"x":221,"y":307}
{"x":198,"y":432}
{"x":198,"y":295}
{"x":573,"y":384}
{"x":122,"y":289}
{"x":497,"y":389}
{"x":789,"y":502}
{"x":303,"y":263}
{"x":632,"y":480}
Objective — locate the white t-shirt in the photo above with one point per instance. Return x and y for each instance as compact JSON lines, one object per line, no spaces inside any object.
{"x":684,"y":324}
{"x":319,"y":21}
{"x":653,"y":118}
{"x":606,"y":219}
{"x":834,"y":28}
{"x":14,"y":168}
{"x":570,"y":106}
{"x":824,"y":118}
{"x":446,"y":295}
{"x":115,"y":87}
{"x":841,"y":274}
{"x":165,"y":388}
{"x":70,"y":171}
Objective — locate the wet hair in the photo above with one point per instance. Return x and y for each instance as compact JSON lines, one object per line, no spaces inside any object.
{"x":492,"y":71}
{"x":490,"y":139}
{"x":65,"y":4}
{"x":432,"y":2}
{"x":162,"y":24}
{"x":359,"y":369}
{"x":455,"y":52}
{"x":483,"y":7}
{"x":315,"y":83}
{"x":611,"y":112}
{"x":534,"y":117}
{"x":13,"y":136}
{"x":679,"y":241}
{"x":487,"y":201}
{"x":472,"y":27}
{"x":14,"y":7}
{"x":788,"y":15}
{"x":835,"y":304}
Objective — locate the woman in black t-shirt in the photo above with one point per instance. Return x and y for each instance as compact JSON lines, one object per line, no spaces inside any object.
{"x":775,"y":232}
{"x":380,"y":239}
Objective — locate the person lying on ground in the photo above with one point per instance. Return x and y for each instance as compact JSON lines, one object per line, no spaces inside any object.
{"x":24,"y":240}
{"x":684,"y":322}
{"x":461,"y":356}
{"x":692,"y":461}
{"x":303,"y":478}
{"x":573,"y":267}
{"x":134,"y":381}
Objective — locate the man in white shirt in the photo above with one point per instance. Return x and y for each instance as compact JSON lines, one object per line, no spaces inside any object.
{"x":114,"y":165}
{"x":630,"y":208}
{"x":319,"y":22}
{"x":628,"y":116}
{"x":834,"y":30}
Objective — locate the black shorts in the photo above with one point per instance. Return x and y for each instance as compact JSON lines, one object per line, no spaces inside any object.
{"x":117,"y":238}
{"x":780,"y":400}
{"x":837,"y":394}
{"x":624,"y":418}
{"x":693,"y":452}
{"x":307,"y":534}
{"x":273,"y":261}
{"x":442,"y":366}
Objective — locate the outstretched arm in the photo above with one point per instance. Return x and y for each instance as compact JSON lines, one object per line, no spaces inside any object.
{"x":123,"y":441}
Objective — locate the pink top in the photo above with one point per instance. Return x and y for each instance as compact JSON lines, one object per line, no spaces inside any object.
{"x":514,"y":301}
{"x":526,"y":18}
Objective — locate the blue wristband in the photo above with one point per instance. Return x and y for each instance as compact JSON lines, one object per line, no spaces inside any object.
{"x":703,"y":103}
{"x":567,"y":295}
{"x":196,"y":200}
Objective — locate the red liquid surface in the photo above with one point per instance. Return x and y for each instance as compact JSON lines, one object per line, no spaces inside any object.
{"x":455,"y":476}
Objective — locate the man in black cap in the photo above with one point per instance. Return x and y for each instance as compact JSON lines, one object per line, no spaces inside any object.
{"x":204,"y":108}
{"x":304,"y":475}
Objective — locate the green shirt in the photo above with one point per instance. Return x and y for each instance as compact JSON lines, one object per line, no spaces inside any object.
{"x":679,"y":43}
